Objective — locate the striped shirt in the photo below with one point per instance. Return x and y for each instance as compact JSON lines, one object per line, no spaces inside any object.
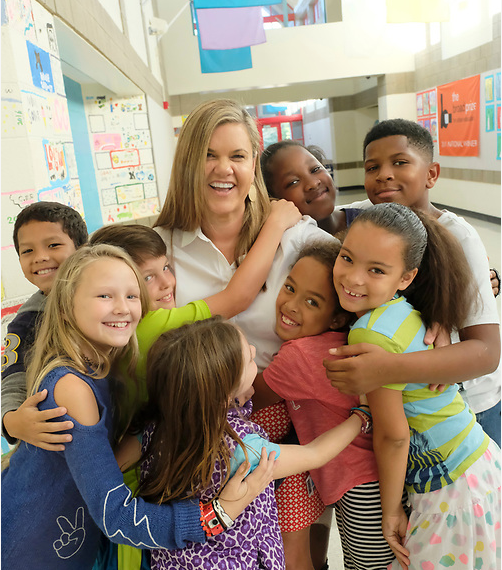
{"x":445,"y":438}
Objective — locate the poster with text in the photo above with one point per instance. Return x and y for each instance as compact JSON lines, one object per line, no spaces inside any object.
{"x":458,"y":106}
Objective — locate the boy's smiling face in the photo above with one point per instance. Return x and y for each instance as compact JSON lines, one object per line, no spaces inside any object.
{"x":160,"y":282}
{"x":43,"y":247}
{"x":398,"y":172}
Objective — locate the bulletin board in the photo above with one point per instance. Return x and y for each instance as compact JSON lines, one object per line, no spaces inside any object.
{"x":479,"y":141}
{"x":123,"y":157}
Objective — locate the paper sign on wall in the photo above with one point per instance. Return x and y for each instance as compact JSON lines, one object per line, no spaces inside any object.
{"x":458,"y":104}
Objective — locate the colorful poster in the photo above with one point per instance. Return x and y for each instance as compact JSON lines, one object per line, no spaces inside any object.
{"x":490,"y":118}
{"x":41,"y":70}
{"x":426,"y":111}
{"x":459,"y":117}
{"x":124,"y":158}
{"x":489,"y":88}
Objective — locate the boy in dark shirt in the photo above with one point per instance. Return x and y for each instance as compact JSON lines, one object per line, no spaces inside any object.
{"x":45,"y":234}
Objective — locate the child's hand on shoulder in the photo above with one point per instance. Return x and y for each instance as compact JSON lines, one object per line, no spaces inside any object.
{"x":31,"y":425}
{"x":284,"y":214}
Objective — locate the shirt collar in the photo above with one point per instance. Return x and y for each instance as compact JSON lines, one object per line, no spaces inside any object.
{"x":188,"y":237}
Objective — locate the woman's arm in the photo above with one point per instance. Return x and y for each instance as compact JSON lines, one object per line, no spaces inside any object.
{"x":253,"y":271}
{"x":372,"y":367}
{"x":298,"y":458}
{"x":391,"y":441}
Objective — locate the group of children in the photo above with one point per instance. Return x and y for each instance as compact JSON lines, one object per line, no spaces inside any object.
{"x":182,"y":414}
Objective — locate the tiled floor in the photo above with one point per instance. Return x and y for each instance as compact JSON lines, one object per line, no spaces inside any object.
{"x":490,"y":234}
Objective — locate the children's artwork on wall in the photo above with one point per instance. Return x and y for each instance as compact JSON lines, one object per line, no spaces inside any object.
{"x":13,"y":123}
{"x":41,"y":70}
{"x":19,"y":15}
{"x":497,"y":86}
{"x":37,"y":113}
{"x":490,"y":118}
{"x":426,"y":111}
{"x":489,"y":91}
{"x":56,"y":162}
{"x":107,"y":141}
{"x":71,"y":161}
{"x":96,"y":123}
{"x":123,"y":156}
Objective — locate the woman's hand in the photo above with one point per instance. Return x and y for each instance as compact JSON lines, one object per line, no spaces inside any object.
{"x":394,"y":531}
{"x":284,"y":214}
{"x":29,"y":424}
{"x":240,"y":491}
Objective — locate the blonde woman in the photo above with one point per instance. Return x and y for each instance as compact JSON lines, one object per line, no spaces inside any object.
{"x":215,"y":206}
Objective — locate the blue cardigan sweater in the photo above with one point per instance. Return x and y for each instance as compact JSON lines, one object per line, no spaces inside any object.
{"x":55,"y":503}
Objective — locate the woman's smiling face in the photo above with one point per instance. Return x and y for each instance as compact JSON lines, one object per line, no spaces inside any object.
{"x":229,"y":171}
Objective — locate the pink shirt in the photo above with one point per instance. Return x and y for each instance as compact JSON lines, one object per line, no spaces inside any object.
{"x":297,"y":375}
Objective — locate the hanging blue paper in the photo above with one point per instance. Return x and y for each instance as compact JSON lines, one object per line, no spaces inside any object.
{"x":221,"y":60}
{"x":233,"y":3}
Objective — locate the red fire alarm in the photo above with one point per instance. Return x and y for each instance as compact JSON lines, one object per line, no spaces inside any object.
{"x":166,"y":105}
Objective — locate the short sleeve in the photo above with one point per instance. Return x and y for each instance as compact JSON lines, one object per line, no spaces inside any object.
{"x":253,"y":443}
{"x":286,"y":374}
{"x":372,"y":337}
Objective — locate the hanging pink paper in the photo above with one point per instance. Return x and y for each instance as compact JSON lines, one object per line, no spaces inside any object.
{"x":230,"y":28}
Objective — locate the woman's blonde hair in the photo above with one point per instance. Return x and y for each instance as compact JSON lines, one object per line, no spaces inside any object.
{"x":193,"y":372}
{"x":59,"y":340}
{"x":184,"y":206}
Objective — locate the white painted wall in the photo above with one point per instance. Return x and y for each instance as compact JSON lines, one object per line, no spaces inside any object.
{"x":318,"y":132}
{"x":290,"y":56}
{"x":470,"y":26}
{"x":152,"y":42}
{"x":134,"y":22}
{"x":113,"y":9}
{"x":402,"y":106}
{"x":163,"y":144}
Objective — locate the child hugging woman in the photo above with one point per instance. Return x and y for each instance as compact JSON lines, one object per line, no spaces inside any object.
{"x":56,"y":504}
{"x":200,"y":433}
{"x":428,"y":440}
{"x":310,"y":321}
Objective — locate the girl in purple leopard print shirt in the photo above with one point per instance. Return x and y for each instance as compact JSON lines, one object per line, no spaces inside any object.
{"x":200,"y":381}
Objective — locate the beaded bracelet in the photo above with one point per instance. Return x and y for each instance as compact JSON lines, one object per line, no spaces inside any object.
{"x":210,"y":522}
{"x":365,"y":417}
{"x":225,"y":520}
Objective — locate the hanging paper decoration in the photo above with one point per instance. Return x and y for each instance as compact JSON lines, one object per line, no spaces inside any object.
{"x":230,"y":28}
{"x":221,"y":60}
{"x":232,"y":3}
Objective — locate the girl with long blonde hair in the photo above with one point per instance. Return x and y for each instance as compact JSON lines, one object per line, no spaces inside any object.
{"x":56,"y":504}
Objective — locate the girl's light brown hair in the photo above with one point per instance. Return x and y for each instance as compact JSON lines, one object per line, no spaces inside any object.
{"x":184,"y":206}
{"x":192,"y":374}
{"x":59,"y":341}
